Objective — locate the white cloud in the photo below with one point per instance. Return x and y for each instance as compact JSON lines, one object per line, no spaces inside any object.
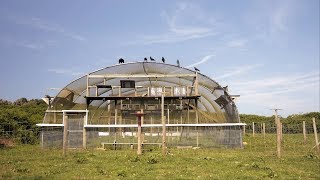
{"x":188,"y":21}
{"x":279,"y":18}
{"x":237,"y":43}
{"x":30,"y":45}
{"x":290,"y":82}
{"x":65,"y":71}
{"x":46,"y":26}
{"x":298,"y":92}
{"x":203,"y":60}
{"x":238,"y":70}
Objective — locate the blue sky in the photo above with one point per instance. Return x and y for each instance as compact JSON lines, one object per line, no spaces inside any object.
{"x":266,"y":51}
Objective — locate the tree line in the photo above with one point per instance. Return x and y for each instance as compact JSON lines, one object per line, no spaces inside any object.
{"x":18,"y":120}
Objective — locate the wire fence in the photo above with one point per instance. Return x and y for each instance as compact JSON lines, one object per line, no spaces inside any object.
{"x":295,"y":139}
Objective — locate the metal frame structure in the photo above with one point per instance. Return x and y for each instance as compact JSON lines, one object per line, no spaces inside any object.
{"x":164,"y":92}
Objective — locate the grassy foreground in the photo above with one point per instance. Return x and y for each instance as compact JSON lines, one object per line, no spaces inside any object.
{"x":31,"y":162}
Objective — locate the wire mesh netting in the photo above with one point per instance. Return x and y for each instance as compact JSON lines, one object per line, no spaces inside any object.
{"x":124,"y":137}
{"x":293,"y":140}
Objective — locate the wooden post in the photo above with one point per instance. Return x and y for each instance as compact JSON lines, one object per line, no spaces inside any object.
{"x":115,"y":114}
{"x":304,"y":132}
{"x":264,"y":129}
{"x":84,"y":133}
{"x":139,"y":115}
{"x":197,"y":116}
{"x":164,"y":146}
{"x":197,"y":139}
{"x":87,"y":93}
{"x":65,"y":133}
{"x":196,"y":84}
{"x":188,"y":115}
{"x":281,"y":137}
{"x":244,"y":130}
{"x":142,"y":117}
{"x":315,"y":133}
{"x":252,"y":129}
{"x":139,"y":151}
{"x":168,"y":116}
{"x":54,"y":117}
{"x":278,"y":137}
{"x":277,"y":121}
{"x":151,"y":129}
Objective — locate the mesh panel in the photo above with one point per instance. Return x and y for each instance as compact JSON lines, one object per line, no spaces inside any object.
{"x":209,"y":137}
{"x":52,"y":137}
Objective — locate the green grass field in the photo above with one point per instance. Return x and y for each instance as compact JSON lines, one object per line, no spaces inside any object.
{"x":256,"y":161}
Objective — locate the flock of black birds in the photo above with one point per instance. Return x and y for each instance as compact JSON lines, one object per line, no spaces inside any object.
{"x":162,"y":59}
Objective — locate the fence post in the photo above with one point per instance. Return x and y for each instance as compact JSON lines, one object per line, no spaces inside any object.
{"x":252,"y":129}
{"x":278,"y":140}
{"x":315,"y":133}
{"x":264,"y":129}
{"x":65,"y":133}
{"x":244,"y":130}
{"x":304,"y":132}
{"x":281,"y":131}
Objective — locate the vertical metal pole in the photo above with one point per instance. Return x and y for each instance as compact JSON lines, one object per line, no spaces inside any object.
{"x":315,"y":133}
{"x":164,"y":146}
{"x":304,"y":132}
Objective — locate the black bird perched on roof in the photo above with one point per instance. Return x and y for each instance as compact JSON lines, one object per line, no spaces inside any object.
{"x":226,"y":88}
{"x":163,"y":60}
{"x":152,"y":59}
{"x":121,"y":60}
{"x":178,"y":62}
{"x":145,"y":59}
{"x":196,"y":69}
